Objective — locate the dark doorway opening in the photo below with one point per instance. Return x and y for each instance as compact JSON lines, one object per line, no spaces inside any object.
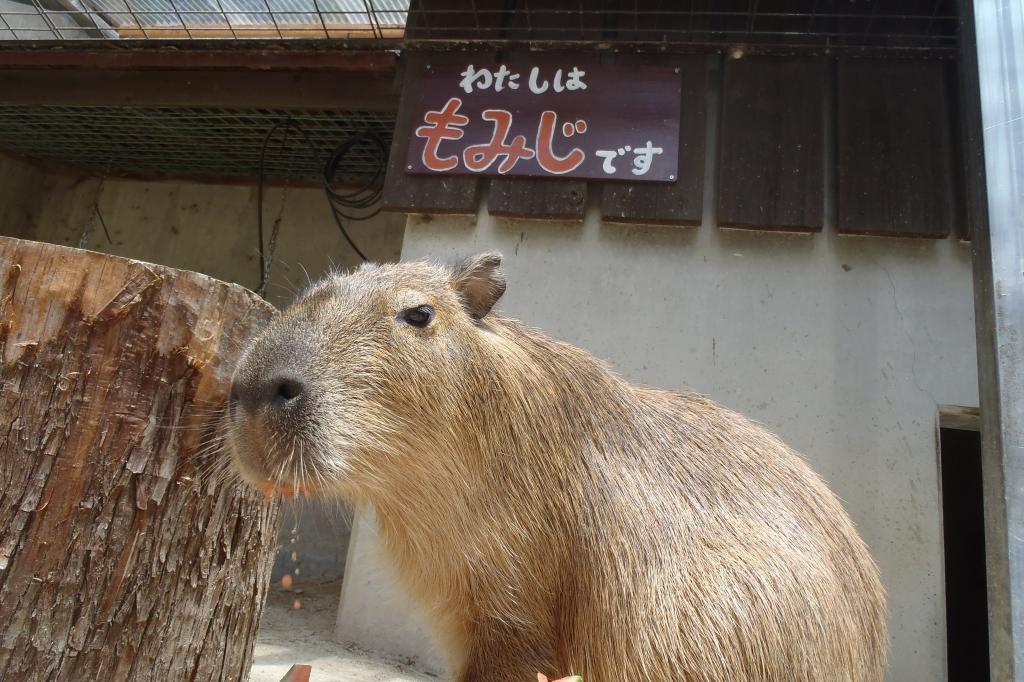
{"x":963,"y":523}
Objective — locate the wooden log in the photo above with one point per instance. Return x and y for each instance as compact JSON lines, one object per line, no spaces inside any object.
{"x":119,"y":558}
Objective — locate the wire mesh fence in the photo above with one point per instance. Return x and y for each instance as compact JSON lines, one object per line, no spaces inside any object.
{"x":196,"y":143}
{"x":922,"y":25}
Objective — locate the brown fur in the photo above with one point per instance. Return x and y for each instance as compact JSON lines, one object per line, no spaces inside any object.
{"x":554,"y":517}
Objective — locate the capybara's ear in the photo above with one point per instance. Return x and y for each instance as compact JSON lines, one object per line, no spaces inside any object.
{"x":480,"y":283}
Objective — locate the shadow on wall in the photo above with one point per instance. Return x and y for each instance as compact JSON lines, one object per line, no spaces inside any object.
{"x":313,"y":541}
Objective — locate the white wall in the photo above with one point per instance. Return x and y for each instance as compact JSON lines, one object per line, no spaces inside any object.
{"x":845,"y":346}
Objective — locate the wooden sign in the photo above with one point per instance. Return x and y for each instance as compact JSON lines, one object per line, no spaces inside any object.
{"x":593,"y":121}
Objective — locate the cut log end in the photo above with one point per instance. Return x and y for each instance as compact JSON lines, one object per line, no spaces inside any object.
{"x":121,"y":557}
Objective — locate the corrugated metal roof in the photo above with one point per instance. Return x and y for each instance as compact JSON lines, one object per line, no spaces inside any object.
{"x":925,"y":27}
{"x":83,"y":19}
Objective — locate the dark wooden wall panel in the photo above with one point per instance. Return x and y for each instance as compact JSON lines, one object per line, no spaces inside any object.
{"x":554,"y":198}
{"x":959,"y":129}
{"x":771,"y":159}
{"x":422,"y":193}
{"x":681,"y":202}
{"x":447,"y":19}
{"x":550,"y":198}
{"x":894,"y":148}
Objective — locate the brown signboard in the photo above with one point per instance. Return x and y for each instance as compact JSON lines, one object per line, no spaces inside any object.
{"x":594,"y":121}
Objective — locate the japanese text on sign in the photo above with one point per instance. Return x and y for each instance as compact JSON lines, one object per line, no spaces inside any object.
{"x":598,"y":122}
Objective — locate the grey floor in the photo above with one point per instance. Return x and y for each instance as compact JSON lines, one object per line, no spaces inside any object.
{"x":289,"y":636}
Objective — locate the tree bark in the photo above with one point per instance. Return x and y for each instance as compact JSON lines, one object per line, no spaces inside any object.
{"x":119,"y":557}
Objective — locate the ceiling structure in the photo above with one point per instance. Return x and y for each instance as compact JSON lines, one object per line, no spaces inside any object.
{"x":903,"y":25}
{"x":169,"y":88}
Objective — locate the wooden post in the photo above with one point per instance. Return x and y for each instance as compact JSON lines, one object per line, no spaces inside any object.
{"x":994,"y":103}
{"x":119,"y":558}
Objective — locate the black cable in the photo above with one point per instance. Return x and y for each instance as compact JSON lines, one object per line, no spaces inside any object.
{"x":341,"y":202}
{"x":359,"y":198}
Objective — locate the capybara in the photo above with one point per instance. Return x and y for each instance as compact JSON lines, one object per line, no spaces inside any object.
{"x":551,"y":516}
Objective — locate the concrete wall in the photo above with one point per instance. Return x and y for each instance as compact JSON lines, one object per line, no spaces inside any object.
{"x":845,"y":346}
{"x":209,"y":228}
{"x":212,"y":229}
{"x":20,"y":197}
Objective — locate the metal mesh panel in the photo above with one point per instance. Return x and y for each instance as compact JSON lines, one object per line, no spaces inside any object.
{"x":918,"y":25}
{"x":202,"y":143}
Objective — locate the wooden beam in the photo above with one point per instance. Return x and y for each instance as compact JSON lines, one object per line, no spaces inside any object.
{"x":194,"y":58}
{"x":959,"y":417}
{"x":197,"y":88}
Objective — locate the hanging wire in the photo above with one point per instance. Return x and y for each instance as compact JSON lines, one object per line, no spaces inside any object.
{"x":345,"y":204}
{"x":83,"y":242}
{"x":276,"y":229}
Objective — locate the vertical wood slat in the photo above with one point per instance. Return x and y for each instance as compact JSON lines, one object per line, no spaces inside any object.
{"x":680,"y":202}
{"x":552,"y":198}
{"x":973,"y":214}
{"x":435,"y":19}
{"x":422,"y":193}
{"x":894,"y":149}
{"x":771,"y":159}
{"x":456,"y":19}
{"x":968,"y":155}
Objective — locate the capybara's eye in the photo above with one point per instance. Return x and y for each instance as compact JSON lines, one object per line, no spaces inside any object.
{"x":420,"y":316}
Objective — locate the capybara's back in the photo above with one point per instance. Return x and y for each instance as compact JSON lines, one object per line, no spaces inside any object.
{"x":552,"y":516}
{"x":718,"y":555}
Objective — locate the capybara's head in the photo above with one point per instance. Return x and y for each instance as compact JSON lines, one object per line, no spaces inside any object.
{"x":363,"y":370}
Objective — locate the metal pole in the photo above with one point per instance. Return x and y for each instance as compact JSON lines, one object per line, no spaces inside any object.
{"x":998,"y":250}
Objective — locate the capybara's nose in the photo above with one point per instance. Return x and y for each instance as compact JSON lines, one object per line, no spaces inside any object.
{"x":277,"y":392}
